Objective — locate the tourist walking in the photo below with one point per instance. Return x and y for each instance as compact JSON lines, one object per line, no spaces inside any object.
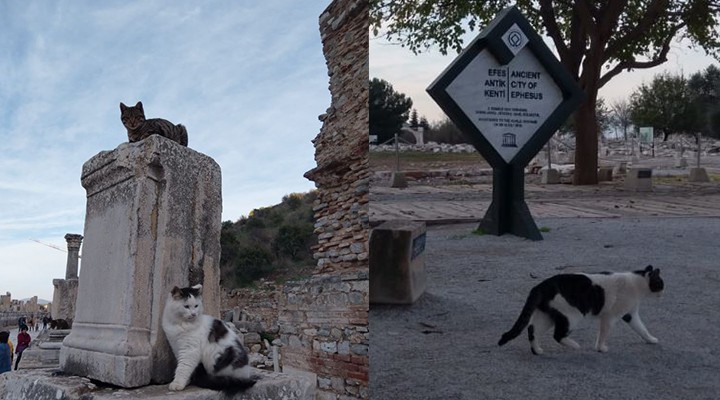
{"x":22,"y":343}
{"x":5,"y":353}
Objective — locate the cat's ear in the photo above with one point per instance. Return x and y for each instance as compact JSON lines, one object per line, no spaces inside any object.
{"x":139,"y":105}
{"x":175,"y":292}
{"x":198,"y":287}
{"x":123,"y":107}
{"x":648,"y":269}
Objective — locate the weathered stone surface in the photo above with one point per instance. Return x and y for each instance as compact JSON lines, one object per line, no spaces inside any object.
{"x":549,"y":176}
{"x":152,"y":222}
{"x":639,"y":179}
{"x":43,"y":384}
{"x":64,"y":299}
{"x":698,"y":175}
{"x":605,"y":174}
{"x":398,"y":180}
{"x":323,"y":309}
{"x":397,"y":262}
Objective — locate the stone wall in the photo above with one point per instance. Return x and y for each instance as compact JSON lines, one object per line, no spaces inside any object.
{"x":259,"y":307}
{"x":324,"y":320}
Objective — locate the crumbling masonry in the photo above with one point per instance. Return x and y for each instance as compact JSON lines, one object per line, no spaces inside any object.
{"x":324,"y":320}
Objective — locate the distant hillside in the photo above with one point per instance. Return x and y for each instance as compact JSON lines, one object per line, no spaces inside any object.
{"x":272,"y":242}
{"x":41,"y":302}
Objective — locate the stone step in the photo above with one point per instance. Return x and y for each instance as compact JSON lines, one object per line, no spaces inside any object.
{"x":47,"y":384}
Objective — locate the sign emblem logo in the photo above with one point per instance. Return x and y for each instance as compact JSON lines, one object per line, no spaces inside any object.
{"x":515,"y":39}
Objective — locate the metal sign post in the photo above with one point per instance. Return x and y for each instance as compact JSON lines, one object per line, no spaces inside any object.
{"x":508,"y":94}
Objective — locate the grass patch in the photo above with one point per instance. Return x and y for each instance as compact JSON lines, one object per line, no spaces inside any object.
{"x":479,"y":231}
{"x":544,"y":229}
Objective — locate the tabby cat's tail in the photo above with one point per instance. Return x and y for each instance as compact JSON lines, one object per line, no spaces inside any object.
{"x":227,"y":385}
{"x":523,"y":320}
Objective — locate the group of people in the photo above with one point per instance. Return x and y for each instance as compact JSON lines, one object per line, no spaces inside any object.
{"x":8,"y":350}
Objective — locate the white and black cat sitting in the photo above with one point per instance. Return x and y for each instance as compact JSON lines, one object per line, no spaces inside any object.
{"x":208,"y":353}
{"x":563,"y":300}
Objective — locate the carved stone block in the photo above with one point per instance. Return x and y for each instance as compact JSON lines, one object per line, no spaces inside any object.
{"x":152,"y":221}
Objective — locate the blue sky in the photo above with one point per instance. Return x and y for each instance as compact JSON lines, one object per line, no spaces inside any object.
{"x":247,"y":79}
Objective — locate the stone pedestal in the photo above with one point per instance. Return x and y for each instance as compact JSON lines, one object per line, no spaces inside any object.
{"x":639,"y":179}
{"x":398,"y":180}
{"x":64,"y":297}
{"x":152,"y":221}
{"x":397,"y":262}
{"x":620,"y":168}
{"x":698,"y":175}
{"x":605,"y":174}
{"x":549,"y":176}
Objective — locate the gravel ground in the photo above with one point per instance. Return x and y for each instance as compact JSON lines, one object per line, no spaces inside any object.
{"x":445,"y":345}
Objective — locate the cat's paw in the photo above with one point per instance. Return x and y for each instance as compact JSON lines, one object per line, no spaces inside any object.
{"x":651,"y":339}
{"x":570,"y":343}
{"x":601,"y":348}
{"x":537,"y":350}
{"x":176,"y":386}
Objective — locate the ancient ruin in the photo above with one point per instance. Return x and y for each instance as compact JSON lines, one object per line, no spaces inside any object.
{"x":324,"y":320}
{"x":152,"y":222}
{"x":65,"y":294}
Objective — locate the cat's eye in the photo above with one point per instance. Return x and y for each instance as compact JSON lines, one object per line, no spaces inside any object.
{"x":196,"y":305}
{"x":188,"y":307}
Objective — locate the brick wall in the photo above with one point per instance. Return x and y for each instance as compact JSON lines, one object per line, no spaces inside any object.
{"x":323,"y":321}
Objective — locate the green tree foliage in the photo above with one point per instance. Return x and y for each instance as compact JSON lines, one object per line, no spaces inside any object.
{"x":444,"y":132}
{"x":389,"y":110}
{"x":603,"y":119}
{"x":666,"y":104}
{"x":271,"y":242}
{"x":705,"y":90}
{"x":595,"y":40}
{"x":414,"y":122}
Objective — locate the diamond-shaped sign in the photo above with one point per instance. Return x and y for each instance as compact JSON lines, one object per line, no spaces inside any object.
{"x":508,"y":94}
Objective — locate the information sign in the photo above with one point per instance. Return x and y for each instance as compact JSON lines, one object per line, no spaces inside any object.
{"x":508,"y":94}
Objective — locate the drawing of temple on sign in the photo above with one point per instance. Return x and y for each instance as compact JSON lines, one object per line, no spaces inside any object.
{"x":508,"y":103}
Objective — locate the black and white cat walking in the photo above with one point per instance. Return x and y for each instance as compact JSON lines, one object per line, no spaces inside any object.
{"x":205,"y":349}
{"x":563,"y":300}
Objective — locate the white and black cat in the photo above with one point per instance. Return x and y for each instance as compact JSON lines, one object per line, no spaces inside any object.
{"x":562,"y":300}
{"x":139,"y":128}
{"x":208,"y":354}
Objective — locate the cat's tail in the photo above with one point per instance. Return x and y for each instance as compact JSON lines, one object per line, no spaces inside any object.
{"x":523,"y":320}
{"x":226,"y":384}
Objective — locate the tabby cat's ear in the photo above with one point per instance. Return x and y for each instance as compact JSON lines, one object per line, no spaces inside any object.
{"x":123,"y":107}
{"x":139,"y":105}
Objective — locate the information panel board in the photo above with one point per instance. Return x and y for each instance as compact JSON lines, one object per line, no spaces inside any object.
{"x":508,"y":94}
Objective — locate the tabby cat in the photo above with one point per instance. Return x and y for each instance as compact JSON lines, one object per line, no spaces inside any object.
{"x":208,"y":354}
{"x":562,"y":300}
{"x":139,"y":128}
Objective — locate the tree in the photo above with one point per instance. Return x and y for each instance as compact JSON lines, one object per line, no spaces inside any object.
{"x":424,"y":123}
{"x":620,"y":110}
{"x":414,"y":123}
{"x":603,"y":119}
{"x":595,"y":40}
{"x":389,"y":110}
{"x":444,"y":132}
{"x":704,"y":89}
{"x":665,"y":104}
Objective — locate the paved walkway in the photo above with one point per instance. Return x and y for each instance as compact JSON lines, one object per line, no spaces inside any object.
{"x":468,"y":203}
